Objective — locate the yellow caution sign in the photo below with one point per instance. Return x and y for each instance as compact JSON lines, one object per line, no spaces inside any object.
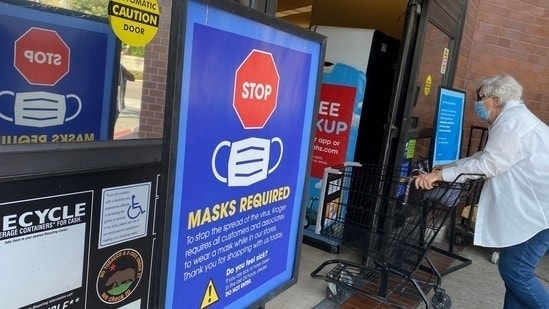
{"x":428,"y":82}
{"x":210,"y":295}
{"x":135,"y":22}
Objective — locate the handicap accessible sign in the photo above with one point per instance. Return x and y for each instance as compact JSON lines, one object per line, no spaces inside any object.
{"x":244,"y":135}
{"x":57,"y":75}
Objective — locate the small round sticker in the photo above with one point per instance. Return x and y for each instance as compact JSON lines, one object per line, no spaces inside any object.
{"x":119,"y":276}
{"x":135,"y":22}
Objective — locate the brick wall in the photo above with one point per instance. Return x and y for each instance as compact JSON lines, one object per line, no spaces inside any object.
{"x":506,"y":36}
{"x":151,"y":120}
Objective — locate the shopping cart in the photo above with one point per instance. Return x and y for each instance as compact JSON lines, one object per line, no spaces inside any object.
{"x":382,"y":216}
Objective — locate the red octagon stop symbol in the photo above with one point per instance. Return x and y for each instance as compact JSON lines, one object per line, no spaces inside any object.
{"x":41,"y":56}
{"x":256,"y":89}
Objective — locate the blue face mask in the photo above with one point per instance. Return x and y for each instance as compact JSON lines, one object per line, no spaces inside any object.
{"x":481,"y":110}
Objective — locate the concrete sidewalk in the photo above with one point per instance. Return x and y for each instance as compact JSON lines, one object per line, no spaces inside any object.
{"x":479,"y":285}
{"x":475,"y":286}
{"x":127,"y":124}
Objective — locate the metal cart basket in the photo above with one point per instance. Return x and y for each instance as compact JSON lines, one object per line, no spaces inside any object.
{"x":381,"y":215}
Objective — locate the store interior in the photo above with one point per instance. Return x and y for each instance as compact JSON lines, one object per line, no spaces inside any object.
{"x":386,"y":16}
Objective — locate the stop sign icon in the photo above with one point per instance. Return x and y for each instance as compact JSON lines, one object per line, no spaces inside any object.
{"x":256,"y":89}
{"x":41,"y":56}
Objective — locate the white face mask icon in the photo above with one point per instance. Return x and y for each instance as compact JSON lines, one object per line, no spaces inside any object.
{"x":40,"y":108}
{"x":248,"y":161}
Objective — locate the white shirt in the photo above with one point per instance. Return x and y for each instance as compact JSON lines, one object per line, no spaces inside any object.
{"x":514,"y":203}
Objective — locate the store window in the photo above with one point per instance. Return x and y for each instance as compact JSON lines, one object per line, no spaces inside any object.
{"x":69,"y":77}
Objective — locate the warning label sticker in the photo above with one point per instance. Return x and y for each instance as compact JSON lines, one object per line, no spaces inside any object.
{"x":210,"y":295}
{"x":135,"y":22}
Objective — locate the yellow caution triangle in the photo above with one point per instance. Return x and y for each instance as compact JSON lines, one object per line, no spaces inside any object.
{"x":210,"y":295}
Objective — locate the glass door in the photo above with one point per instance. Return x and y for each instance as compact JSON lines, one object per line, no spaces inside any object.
{"x":430,"y":44}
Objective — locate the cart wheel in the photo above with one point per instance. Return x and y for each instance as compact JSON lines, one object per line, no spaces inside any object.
{"x":441,"y":300}
{"x":458,"y":238}
{"x":494,"y":257}
{"x":335,"y":293}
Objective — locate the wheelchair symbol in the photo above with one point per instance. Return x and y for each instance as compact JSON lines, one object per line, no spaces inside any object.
{"x":135,"y":209}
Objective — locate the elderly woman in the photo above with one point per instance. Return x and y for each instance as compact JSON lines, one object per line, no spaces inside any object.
{"x":513,"y":211}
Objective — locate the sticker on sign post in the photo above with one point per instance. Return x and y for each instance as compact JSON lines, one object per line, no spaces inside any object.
{"x":134,"y":22}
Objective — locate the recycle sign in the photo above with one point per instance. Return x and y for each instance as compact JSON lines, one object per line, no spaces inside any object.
{"x":256,"y":89}
{"x":41,"y":56}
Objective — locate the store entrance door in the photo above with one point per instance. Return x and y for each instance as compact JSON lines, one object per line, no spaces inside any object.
{"x":430,"y":44}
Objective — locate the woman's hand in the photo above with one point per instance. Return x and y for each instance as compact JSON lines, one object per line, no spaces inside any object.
{"x":428,"y":181}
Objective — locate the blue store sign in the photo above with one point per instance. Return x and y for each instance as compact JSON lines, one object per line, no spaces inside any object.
{"x":240,"y":151}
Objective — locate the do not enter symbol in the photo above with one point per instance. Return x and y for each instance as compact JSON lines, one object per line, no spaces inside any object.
{"x":256,"y":89}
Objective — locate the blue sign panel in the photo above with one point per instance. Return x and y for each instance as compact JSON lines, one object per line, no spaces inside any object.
{"x":243,"y":142}
{"x":57,"y":76}
{"x":448,"y":126}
